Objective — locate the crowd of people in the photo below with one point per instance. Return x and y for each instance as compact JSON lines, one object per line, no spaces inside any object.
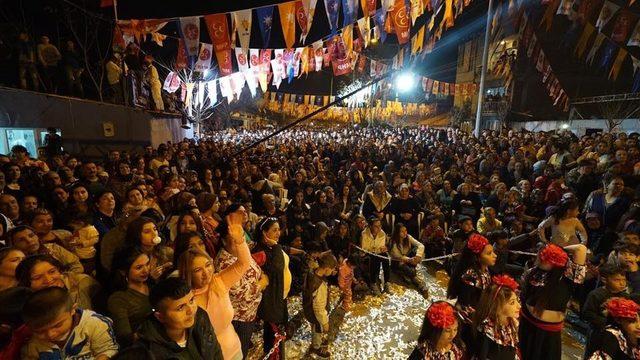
{"x":131,"y":76}
{"x":186,"y":250}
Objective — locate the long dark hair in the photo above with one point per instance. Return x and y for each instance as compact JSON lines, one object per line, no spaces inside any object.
{"x":467,"y":260}
{"x":395,"y":237}
{"x":430,"y":334}
{"x":264,"y":225}
{"x":562,"y":208}
{"x":489,"y":304}
{"x":540,"y":299}
{"x":122,"y":262}
{"x":23,"y":271}
{"x":134,"y":230}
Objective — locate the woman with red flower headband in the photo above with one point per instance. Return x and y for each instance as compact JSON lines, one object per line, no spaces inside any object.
{"x":470,"y":278}
{"x":438,"y":338}
{"x":495,"y":323}
{"x":619,"y":340}
{"x":547,"y":289}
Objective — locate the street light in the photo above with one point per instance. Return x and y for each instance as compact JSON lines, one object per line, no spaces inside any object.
{"x":405,"y":82}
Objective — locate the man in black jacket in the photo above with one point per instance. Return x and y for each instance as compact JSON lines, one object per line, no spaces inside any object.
{"x":177,"y":328}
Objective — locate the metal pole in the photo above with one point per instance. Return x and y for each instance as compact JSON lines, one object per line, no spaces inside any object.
{"x":483,"y":73}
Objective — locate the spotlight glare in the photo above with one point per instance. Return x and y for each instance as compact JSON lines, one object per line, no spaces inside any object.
{"x":206,"y":73}
{"x":564,"y":126}
{"x":405,"y":82}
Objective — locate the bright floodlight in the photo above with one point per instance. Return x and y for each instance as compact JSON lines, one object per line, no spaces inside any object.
{"x":405,"y":82}
{"x":564,"y":126}
{"x":206,"y":73}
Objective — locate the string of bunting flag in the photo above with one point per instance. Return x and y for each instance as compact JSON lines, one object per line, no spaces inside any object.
{"x":340,"y":49}
{"x":341,"y":52}
{"x":300,"y":104}
{"x":534,"y":51}
{"x":608,"y":40}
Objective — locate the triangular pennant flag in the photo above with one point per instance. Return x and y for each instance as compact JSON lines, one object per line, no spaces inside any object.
{"x":634,"y":40}
{"x":303,"y":23}
{"x":547,"y":19}
{"x":606,"y":13}
{"x":204,"y":58}
{"x":212,"y":91}
{"x":584,"y":39}
{"x":241,"y":58}
{"x":379,"y":19}
{"x":243,"y":26}
{"x":617,"y":64}
{"x":623,"y":26}
{"x":287,"y":13}
{"x":318,"y":54}
{"x":200,"y":94}
{"x":332,"y":7}
{"x":237,"y":83}
{"x":347,"y":37}
{"x":309,"y":7}
{"x":297,"y":56}
{"x":400,"y":21}
{"x":172,"y":82}
{"x":636,"y":64}
{"x":190,"y":33}
{"x":181,"y":56}
{"x":594,"y":49}
{"x":265,"y":22}
{"x":349,"y":11}
{"x":417,"y":9}
{"x":447,"y":19}
{"x":254,"y":60}
{"x":365,"y":30}
{"x":225,"y":66}
{"x":565,"y":8}
{"x":218,"y":31}
{"x":368,"y":7}
{"x":416,"y":42}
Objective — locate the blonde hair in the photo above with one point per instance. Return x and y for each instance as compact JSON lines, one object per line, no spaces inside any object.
{"x":185,"y":262}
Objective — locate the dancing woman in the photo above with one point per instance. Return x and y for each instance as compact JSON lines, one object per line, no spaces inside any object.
{"x":546,"y":291}
{"x":496,"y":320}
{"x":469,"y":279}
{"x":438,"y":338}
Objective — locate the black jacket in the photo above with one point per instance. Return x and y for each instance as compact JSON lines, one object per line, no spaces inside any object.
{"x":200,"y":337}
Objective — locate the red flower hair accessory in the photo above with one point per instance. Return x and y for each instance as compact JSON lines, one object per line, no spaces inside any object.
{"x":622,"y":308}
{"x":441,"y":315}
{"x":476,"y":243}
{"x":554,"y":255}
{"x":505,"y":281}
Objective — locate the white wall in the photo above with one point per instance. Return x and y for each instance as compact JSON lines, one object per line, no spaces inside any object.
{"x":578,"y":127}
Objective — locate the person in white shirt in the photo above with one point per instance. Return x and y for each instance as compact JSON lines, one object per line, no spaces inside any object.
{"x":374,"y":241}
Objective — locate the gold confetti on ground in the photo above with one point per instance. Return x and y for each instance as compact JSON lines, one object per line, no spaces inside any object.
{"x":383,"y":327}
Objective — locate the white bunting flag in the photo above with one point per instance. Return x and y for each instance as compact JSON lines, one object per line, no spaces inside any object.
{"x":212,"y":91}
{"x":241,"y":58}
{"x":204,"y":57}
{"x":190,"y":30}
{"x":318,"y":54}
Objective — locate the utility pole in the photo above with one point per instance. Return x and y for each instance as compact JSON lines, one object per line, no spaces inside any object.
{"x":483,"y":73}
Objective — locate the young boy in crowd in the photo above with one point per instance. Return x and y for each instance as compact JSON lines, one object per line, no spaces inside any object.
{"x":626,"y":255}
{"x":614,"y":283}
{"x":178,"y":328}
{"x":315,"y":302}
{"x":61,"y":330}
{"x":433,"y":237}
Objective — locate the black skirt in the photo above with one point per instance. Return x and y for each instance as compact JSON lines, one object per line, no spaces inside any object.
{"x":536,"y":343}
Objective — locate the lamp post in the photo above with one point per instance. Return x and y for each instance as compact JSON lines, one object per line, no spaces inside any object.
{"x":483,"y":73}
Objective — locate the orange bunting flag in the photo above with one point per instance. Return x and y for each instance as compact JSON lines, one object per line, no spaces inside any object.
{"x":400,"y":21}
{"x":224,"y":62}
{"x":218,"y":31}
{"x":447,"y":20}
{"x":287,"y":13}
{"x":347,"y":37}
